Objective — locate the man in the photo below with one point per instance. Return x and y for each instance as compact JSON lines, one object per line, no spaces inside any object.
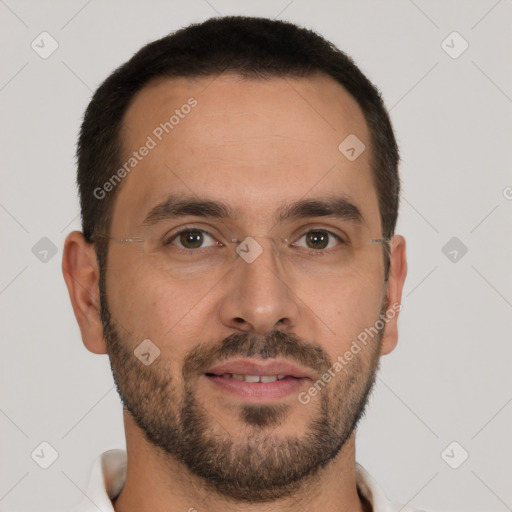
{"x":238,"y":263}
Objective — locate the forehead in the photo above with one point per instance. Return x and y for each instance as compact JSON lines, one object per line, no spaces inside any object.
{"x":254,"y":144}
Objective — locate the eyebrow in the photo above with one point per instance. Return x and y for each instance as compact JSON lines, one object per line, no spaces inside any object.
{"x":179,"y":206}
{"x":335,"y":207}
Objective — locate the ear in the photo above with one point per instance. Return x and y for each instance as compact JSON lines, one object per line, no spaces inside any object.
{"x":81,"y":273}
{"x":397,"y":273}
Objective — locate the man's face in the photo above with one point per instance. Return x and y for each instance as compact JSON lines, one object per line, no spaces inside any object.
{"x":217,"y":316}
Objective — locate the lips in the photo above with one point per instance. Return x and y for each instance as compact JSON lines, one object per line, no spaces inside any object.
{"x":257,"y":382}
{"x":248,"y":370}
{"x":253,"y":378}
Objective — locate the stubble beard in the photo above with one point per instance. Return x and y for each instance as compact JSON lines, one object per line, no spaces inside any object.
{"x":259,"y":465}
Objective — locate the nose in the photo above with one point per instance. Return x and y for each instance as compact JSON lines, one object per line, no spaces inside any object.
{"x":259,"y":297}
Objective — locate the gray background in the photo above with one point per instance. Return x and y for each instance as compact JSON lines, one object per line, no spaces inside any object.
{"x":447,"y":380}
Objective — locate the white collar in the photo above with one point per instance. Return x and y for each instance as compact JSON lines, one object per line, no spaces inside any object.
{"x":109,"y":474}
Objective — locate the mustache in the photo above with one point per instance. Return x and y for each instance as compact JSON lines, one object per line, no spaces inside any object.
{"x":272,"y":345}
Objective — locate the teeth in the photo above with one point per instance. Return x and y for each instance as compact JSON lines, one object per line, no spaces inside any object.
{"x":254,"y":378}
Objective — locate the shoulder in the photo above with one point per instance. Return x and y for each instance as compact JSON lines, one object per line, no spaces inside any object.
{"x":370,"y":489}
{"x":106,"y":481}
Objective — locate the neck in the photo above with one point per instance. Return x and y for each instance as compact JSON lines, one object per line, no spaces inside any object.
{"x":155,"y":482}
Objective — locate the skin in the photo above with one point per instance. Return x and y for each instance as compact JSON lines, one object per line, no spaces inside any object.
{"x":254,"y":145}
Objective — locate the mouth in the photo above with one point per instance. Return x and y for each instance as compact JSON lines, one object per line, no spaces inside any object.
{"x":260,"y":382}
{"x":249,"y":378}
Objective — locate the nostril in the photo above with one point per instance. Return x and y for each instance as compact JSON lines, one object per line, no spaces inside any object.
{"x":239,"y":320}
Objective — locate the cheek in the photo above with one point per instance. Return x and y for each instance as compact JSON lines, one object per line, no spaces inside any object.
{"x":148,"y":305}
{"x":345,"y":309}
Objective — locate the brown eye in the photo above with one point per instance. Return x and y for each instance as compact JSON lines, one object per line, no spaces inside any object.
{"x":193,"y":239}
{"x":318,"y":240}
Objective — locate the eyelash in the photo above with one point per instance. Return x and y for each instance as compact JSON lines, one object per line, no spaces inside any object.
{"x":174,"y":236}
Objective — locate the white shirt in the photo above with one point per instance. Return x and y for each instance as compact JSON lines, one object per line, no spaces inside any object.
{"x":109,"y":474}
